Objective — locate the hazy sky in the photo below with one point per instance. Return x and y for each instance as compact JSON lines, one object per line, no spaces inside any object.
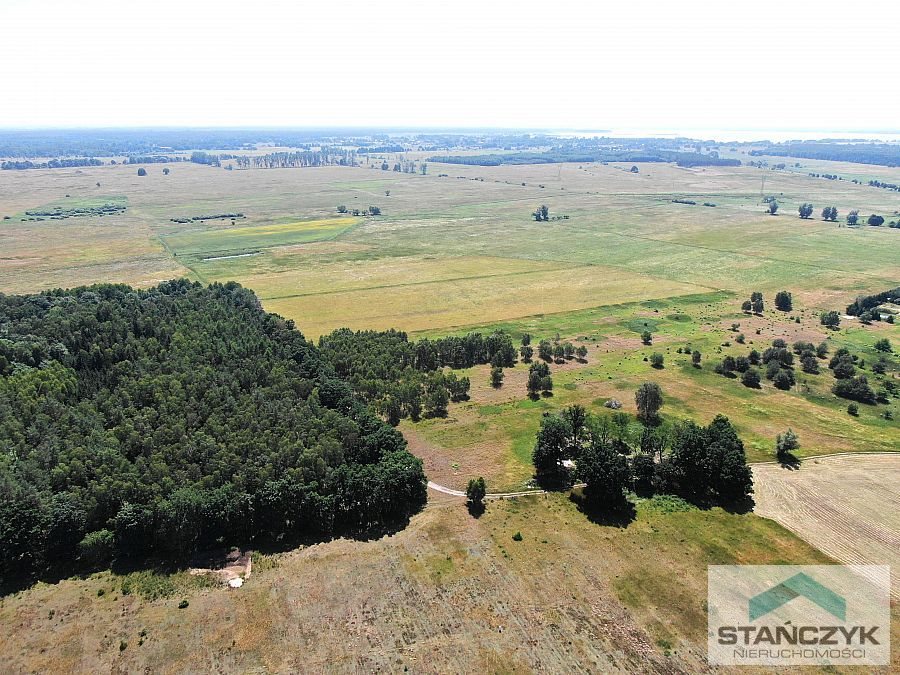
{"x":682,"y":65}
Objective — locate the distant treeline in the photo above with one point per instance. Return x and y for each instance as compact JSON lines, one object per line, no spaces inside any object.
{"x":685,"y":159}
{"x":56,"y":163}
{"x":862,"y":303}
{"x":884,"y":154}
{"x":325,"y":156}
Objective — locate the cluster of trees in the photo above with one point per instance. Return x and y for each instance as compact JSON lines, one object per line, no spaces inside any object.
{"x":865,"y":303}
{"x":848,"y":384}
{"x":371,"y":211}
{"x":325,"y":156}
{"x":806,"y":210}
{"x":403,"y":379}
{"x":539,"y":380}
{"x":778,"y":361}
{"x":157,"y":422}
{"x":404,"y":166}
{"x":886,"y":186}
{"x":755,"y":304}
{"x":706,"y":465}
{"x":830,"y":213}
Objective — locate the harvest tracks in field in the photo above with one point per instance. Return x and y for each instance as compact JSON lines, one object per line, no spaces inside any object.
{"x":847,"y":506}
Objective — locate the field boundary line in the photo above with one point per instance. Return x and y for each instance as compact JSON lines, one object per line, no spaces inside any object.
{"x":420,"y":283}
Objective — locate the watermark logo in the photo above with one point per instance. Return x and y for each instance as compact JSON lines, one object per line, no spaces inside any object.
{"x":773,"y":615}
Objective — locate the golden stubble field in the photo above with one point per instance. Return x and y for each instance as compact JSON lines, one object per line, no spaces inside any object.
{"x":847,"y":506}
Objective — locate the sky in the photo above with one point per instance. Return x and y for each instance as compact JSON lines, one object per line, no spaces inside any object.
{"x":593,"y":65}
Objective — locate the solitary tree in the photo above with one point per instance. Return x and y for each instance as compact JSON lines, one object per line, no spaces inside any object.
{"x":806,"y":210}
{"x":784,"y":301}
{"x":647,"y":337}
{"x":853,"y":218}
{"x":657,"y":360}
{"x":581,"y":353}
{"x":526,"y":351}
{"x":559,"y":353}
{"x":830,"y":319}
{"x":830,"y":213}
{"x":165,"y":171}
{"x":875,"y":221}
{"x":695,"y":358}
{"x":751,"y":378}
{"x":496,"y":377}
{"x":475,"y":491}
{"x":785,"y":444}
{"x":649,"y":400}
{"x":773,"y":207}
{"x":142,"y":171}
{"x":545,"y":350}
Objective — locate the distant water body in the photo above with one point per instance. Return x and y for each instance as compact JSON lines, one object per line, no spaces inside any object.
{"x":741,"y":135}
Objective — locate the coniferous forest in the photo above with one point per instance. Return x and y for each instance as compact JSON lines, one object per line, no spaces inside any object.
{"x":160,"y":422}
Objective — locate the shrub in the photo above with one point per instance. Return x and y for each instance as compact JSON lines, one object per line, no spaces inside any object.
{"x":853,"y":410}
{"x":183,"y":604}
{"x":517,"y":536}
{"x":657,"y":360}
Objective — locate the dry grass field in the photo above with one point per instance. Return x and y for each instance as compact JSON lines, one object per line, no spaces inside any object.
{"x":448,"y":594}
{"x":846,"y":506}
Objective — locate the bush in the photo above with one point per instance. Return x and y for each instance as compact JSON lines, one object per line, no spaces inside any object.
{"x":183,"y":604}
{"x":97,"y":547}
{"x":657,"y":360}
{"x":517,"y":536}
{"x":853,"y":410}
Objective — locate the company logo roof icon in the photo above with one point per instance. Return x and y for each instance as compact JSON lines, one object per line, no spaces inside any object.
{"x":798,"y":585}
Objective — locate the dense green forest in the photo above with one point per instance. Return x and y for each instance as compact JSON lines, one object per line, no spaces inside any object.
{"x":403,"y":379}
{"x":159,"y":422}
